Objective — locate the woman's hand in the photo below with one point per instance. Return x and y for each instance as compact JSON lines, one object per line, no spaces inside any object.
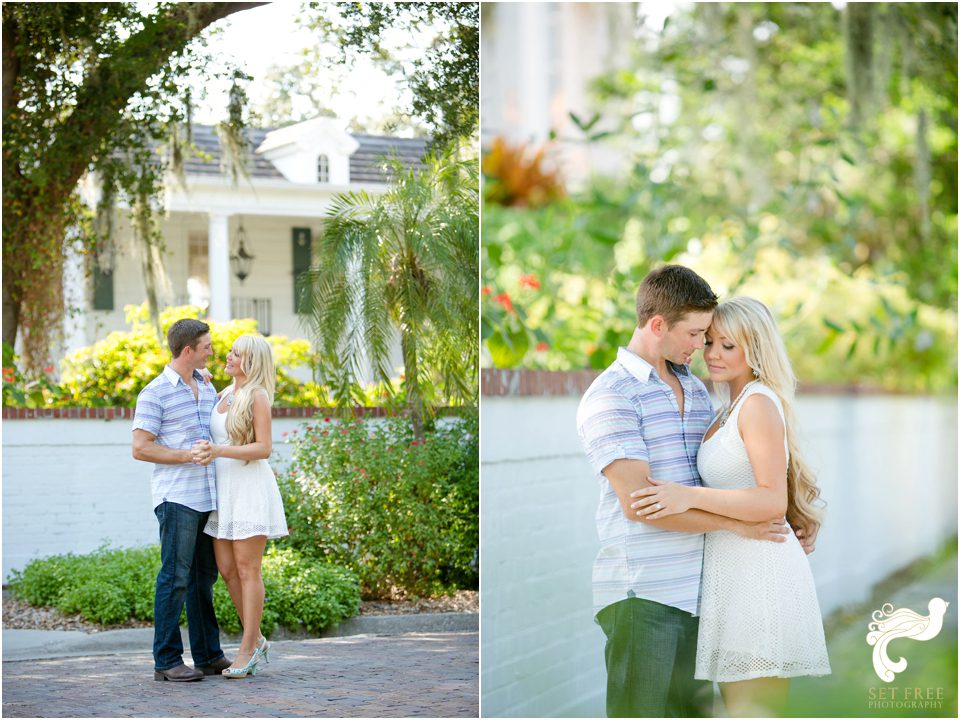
{"x":204,"y":452}
{"x":662,"y":499}
{"x":206,"y":375}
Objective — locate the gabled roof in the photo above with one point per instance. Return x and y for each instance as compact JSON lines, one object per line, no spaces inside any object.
{"x":364,"y":163}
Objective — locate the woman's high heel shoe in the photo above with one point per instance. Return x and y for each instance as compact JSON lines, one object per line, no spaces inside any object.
{"x":264,"y":648}
{"x":249,"y":669}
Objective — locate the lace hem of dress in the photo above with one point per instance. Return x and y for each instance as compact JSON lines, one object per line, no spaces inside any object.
{"x":732,"y":667}
{"x":243,"y":530}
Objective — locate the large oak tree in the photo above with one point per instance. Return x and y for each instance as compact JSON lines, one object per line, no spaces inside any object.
{"x":83,"y":83}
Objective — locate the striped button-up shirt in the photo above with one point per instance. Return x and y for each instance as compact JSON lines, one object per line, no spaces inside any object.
{"x":167,"y":409}
{"x":630,"y":413}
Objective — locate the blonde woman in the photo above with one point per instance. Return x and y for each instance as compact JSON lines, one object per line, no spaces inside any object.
{"x":249,"y":508}
{"x":760,"y":621}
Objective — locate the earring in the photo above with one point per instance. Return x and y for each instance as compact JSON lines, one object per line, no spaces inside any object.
{"x":756,"y":374}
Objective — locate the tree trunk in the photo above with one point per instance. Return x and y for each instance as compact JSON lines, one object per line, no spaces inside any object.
{"x":11,"y":315}
{"x":921,"y":176}
{"x":408,"y":344}
{"x":859,"y":39}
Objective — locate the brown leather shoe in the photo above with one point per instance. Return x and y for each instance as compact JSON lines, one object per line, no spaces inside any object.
{"x":216,"y":667}
{"x":178,"y":673}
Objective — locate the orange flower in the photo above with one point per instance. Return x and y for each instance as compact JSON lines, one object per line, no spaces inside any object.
{"x":542,"y":346}
{"x":48,"y":369}
{"x":504,"y":299}
{"x":530,"y":281}
{"x":485,"y":290}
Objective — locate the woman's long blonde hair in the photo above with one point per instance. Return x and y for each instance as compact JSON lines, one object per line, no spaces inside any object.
{"x":750,"y":324}
{"x":256,"y":361}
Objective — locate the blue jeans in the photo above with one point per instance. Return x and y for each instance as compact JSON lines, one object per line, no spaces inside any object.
{"x":188,"y":570}
{"x":651,"y":655}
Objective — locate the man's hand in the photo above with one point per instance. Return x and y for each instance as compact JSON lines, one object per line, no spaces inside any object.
{"x":770,"y":530}
{"x":202,"y":453}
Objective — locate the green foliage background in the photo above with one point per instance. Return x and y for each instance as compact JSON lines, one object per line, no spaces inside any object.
{"x":798,"y":168}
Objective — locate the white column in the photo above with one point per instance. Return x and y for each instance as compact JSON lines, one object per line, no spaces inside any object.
{"x":218,"y":253}
{"x":74,"y":298}
{"x":533,"y":96}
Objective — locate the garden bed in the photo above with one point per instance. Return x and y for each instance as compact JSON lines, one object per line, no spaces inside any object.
{"x":18,"y":615}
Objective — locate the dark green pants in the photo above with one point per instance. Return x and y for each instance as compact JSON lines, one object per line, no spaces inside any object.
{"x":651,"y":653}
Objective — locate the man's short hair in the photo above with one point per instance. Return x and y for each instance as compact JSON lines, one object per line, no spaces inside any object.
{"x":673,"y":291}
{"x":185,"y":333}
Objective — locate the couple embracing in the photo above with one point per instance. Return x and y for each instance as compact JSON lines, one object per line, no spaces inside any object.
{"x":214,"y":495}
{"x":705,"y":519}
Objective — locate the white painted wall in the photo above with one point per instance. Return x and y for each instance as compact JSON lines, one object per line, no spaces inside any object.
{"x":887,"y":467}
{"x":71,"y":485}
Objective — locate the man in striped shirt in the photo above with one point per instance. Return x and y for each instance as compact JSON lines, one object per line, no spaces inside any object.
{"x":645,"y":416}
{"x":173,"y":412}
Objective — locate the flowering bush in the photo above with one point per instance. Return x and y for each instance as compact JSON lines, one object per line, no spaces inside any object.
{"x":403,"y":514}
{"x":113,"y":371}
{"x":520,"y":176}
{"x":19,"y":391}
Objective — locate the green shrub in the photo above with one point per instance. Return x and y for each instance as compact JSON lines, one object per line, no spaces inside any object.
{"x":42,"y":581}
{"x":404,"y":515}
{"x":99,"y":603}
{"x":300,"y":593}
{"x":106,"y":586}
{"x":110,"y":586}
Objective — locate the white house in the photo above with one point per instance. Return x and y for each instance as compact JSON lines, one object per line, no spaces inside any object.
{"x":277,"y":213}
{"x":539,"y":60}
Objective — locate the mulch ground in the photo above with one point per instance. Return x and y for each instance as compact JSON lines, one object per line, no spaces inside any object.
{"x":18,"y":615}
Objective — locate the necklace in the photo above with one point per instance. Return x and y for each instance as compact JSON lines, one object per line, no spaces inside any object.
{"x":229,"y":399}
{"x":726,"y":413}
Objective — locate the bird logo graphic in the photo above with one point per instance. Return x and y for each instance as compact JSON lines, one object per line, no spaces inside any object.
{"x":889,"y":624}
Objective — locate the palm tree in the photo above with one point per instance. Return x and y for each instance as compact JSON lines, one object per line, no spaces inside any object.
{"x":403,"y":262}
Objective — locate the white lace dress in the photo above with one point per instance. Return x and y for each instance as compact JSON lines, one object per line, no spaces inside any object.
{"x":248,"y":500}
{"x":759,"y":615}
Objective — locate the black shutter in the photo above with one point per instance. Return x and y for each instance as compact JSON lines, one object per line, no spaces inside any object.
{"x":302,"y":257}
{"x":102,"y":289}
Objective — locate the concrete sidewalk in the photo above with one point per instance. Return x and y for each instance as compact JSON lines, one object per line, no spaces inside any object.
{"x":46,"y":644}
{"x":416,"y":674}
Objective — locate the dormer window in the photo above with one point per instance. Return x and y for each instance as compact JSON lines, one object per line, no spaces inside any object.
{"x":323,"y":169}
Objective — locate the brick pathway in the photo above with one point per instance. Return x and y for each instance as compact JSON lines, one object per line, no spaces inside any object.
{"x":412,"y":675}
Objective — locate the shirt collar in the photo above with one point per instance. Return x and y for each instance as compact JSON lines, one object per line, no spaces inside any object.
{"x":641,"y":369}
{"x":173,"y":377}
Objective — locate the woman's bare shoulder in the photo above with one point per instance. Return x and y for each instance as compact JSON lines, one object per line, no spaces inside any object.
{"x":759,"y":410}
